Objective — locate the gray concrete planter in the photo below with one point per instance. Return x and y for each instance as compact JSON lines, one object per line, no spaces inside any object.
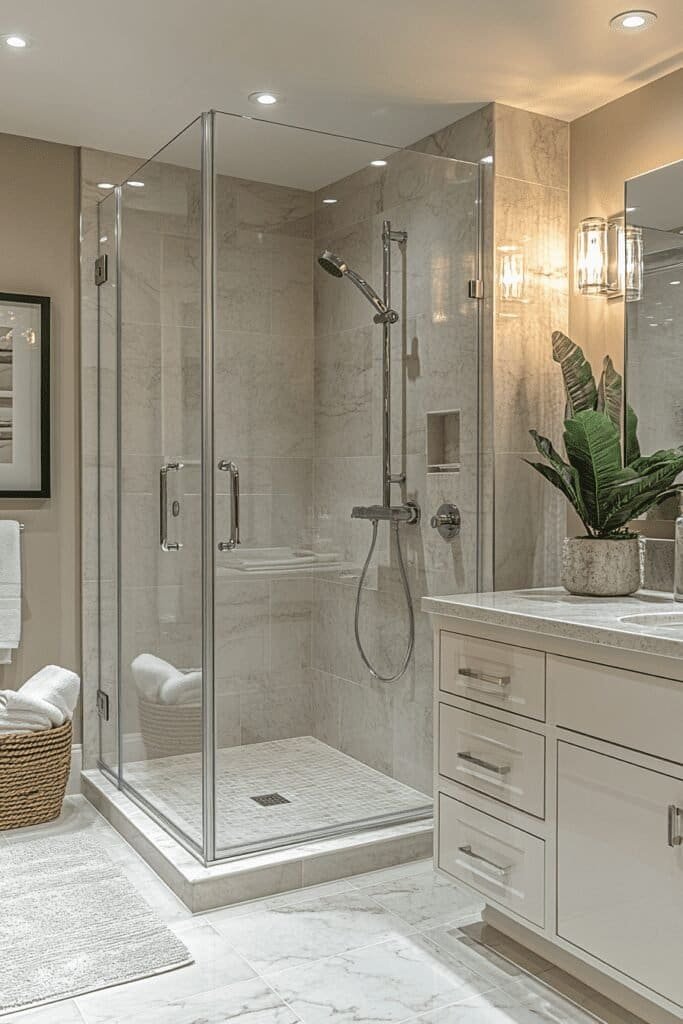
{"x":601,"y":568}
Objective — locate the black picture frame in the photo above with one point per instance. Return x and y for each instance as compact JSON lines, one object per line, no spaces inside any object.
{"x":43,"y":301}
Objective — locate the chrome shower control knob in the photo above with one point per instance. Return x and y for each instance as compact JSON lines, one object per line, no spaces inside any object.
{"x":447,"y":521}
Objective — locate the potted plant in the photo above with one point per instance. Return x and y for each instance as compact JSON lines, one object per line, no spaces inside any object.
{"x":608,"y":490}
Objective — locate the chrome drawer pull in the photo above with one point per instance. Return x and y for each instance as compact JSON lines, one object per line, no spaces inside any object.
{"x":674,"y":824}
{"x":470,"y":673}
{"x":499,"y":769}
{"x":498,"y":869}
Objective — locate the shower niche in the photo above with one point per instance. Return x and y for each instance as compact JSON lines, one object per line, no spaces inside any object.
{"x":226,"y":352}
{"x":443,"y":441}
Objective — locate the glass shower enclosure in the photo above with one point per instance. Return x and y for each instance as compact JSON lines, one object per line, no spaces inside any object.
{"x":240,"y":420}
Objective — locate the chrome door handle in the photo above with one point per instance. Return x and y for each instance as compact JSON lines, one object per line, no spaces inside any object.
{"x":674,"y":825}
{"x":499,"y":769}
{"x":499,"y":869}
{"x":163,"y":506}
{"x":226,"y":466}
{"x":500,"y":682}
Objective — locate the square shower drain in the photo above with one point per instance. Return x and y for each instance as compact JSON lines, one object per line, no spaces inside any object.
{"x":270,"y":799}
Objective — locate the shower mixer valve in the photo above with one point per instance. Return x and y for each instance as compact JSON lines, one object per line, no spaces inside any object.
{"x":408,"y":513}
{"x":447,"y":521}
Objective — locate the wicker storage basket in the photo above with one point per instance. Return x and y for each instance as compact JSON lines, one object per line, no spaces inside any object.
{"x":34,"y":769}
{"x":169,"y":729}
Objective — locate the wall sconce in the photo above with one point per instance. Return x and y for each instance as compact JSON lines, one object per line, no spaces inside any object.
{"x":609,"y":258}
{"x":511,"y":274}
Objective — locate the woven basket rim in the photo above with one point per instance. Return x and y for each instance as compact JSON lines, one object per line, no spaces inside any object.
{"x":56,"y":732}
{"x":167,"y":707}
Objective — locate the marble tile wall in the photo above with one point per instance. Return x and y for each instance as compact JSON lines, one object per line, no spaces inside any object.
{"x":524,"y":161}
{"x":434,"y":353}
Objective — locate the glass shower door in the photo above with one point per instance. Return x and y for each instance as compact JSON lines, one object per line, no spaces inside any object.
{"x":159,"y":485}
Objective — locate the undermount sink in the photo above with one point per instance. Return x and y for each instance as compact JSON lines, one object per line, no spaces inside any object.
{"x":657,"y":620}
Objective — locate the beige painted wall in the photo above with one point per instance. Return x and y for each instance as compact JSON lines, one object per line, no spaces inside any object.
{"x":629,"y":136}
{"x":39,"y":255}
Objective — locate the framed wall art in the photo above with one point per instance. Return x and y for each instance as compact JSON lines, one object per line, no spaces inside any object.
{"x":24,"y":396}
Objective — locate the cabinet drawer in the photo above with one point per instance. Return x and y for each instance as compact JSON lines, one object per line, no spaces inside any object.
{"x":511,"y":678}
{"x":502,"y":761}
{"x":503,"y":863}
{"x":620,"y":868}
{"x":634,"y":710}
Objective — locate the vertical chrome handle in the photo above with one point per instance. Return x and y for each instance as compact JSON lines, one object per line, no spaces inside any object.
{"x":674,"y":825}
{"x":163,"y":506}
{"x":226,"y":466}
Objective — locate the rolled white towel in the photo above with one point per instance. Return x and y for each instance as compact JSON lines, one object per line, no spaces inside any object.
{"x":54,"y":690}
{"x":149,"y":673}
{"x":20,"y":715}
{"x":182,"y":688}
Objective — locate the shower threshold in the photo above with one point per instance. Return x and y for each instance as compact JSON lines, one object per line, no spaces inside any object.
{"x":350,"y":818}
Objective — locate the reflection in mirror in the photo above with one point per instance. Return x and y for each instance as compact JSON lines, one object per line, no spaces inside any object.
{"x":654,"y":323}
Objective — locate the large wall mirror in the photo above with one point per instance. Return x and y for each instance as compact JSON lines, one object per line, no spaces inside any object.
{"x":654,"y":308}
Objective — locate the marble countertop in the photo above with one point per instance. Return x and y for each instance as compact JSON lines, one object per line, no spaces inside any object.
{"x":554,"y":612}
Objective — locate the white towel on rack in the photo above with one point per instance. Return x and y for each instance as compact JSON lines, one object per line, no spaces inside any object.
{"x":10,"y":589}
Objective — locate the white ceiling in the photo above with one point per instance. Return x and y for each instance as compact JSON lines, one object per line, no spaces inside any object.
{"x":126,"y":76}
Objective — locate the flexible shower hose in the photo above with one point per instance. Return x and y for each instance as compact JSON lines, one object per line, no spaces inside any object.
{"x":406,"y":591}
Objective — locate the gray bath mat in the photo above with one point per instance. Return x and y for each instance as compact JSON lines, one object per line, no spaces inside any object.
{"x":71,"y":922}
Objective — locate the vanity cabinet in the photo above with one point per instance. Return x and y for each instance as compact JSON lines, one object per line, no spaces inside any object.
{"x":619,"y":870}
{"x":559,"y":798}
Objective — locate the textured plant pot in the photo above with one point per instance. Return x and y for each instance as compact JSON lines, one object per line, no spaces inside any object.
{"x":601,"y":568}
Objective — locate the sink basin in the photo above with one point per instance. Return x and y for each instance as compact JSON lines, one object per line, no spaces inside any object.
{"x":670,"y":621}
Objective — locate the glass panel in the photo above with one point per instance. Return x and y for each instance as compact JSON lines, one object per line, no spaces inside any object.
{"x":159,"y":484}
{"x":308,"y":741}
{"x":654,"y":204}
{"x":107,"y":533}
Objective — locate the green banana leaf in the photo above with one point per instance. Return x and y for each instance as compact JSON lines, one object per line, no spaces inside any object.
{"x":578,"y":377}
{"x":570,"y":483}
{"x":643,"y":484}
{"x":610,"y":400}
{"x":594,"y":450}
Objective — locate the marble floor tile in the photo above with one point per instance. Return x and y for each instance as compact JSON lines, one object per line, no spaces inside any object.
{"x":524,"y":1001}
{"x":426,"y":899}
{"x":368,"y":878}
{"x":294,"y":934}
{"x":272,"y":902}
{"x":382,"y":984}
{"x":216,"y":965}
{"x":64,"y":1012}
{"x":249,"y":1002}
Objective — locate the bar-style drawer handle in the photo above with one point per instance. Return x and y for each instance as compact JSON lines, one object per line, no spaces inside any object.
{"x":498,"y":869}
{"x":484,"y":677}
{"x":674,"y":825}
{"x":499,"y":769}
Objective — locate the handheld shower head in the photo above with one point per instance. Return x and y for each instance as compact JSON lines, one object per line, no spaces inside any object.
{"x":337,"y":267}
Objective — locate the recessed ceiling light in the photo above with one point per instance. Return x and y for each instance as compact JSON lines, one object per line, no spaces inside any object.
{"x":16,"y":42}
{"x":266,"y":99}
{"x":103,"y":239}
{"x":633,"y":21}
{"x":329,"y":202}
{"x":486,"y":160}
{"x":631,"y":209}
{"x":105,"y":184}
{"x":136,"y":184}
{"x":378,"y":163}
{"x":674,"y":282}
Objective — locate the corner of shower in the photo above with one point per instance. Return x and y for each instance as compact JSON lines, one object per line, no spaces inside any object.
{"x":238,"y":395}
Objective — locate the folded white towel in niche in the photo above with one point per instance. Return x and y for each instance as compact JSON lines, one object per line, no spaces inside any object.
{"x":45,"y":700}
{"x":182,"y":688}
{"x":10,"y":589}
{"x":149,"y":673}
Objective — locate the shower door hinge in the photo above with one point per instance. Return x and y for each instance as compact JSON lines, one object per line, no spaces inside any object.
{"x":101,"y":269}
{"x":103,"y":705}
{"x":475,"y":288}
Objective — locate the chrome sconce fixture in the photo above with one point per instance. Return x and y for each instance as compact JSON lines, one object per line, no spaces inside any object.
{"x":609,"y":258}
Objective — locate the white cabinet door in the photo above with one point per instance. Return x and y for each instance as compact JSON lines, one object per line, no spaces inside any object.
{"x":620,"y":869}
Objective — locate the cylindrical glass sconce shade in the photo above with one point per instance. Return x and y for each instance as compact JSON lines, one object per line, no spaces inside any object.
{"x":591,"y":256}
